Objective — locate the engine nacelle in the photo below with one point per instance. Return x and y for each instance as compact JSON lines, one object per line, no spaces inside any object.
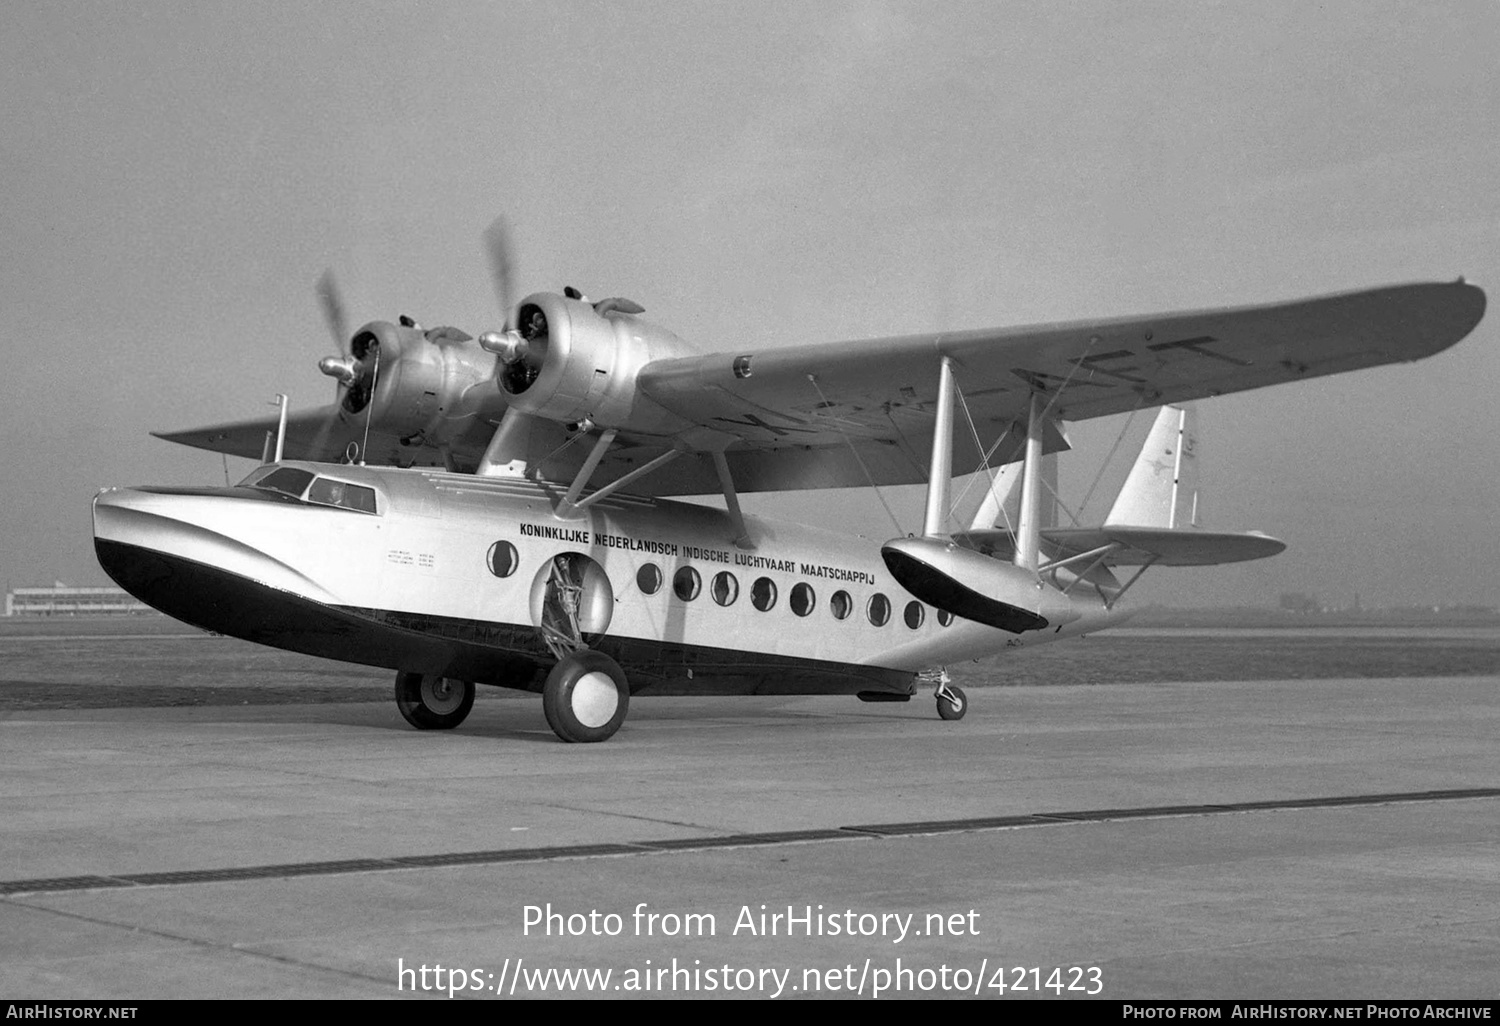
{"x":572,"y":363}
{"x":975,"y":586}
{"x":413,"y":380}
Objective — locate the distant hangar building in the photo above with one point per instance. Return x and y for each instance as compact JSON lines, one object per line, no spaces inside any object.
{"x":61,"y":600}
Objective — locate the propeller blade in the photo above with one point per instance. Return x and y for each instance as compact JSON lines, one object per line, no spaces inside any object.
{"x":333,"y":311}
{"x":497,"y":247}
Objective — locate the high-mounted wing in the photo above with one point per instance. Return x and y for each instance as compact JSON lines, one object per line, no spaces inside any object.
{"x":844,"y":414}
{"x":787,"y":408}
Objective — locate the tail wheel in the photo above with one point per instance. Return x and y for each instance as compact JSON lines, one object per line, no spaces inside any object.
{"x":430,"y":702}
{"x":952,"y":703}
{"x":586,"y":697}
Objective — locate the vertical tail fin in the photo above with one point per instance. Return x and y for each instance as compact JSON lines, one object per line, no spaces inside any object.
{"x":1162,"y":489}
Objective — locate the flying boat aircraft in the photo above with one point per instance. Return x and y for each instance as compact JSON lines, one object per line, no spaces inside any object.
{"x":500,"y":510}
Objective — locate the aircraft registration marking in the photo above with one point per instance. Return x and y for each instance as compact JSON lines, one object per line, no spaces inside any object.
{"x":754,"y":561}
{"x":1195,"y":346}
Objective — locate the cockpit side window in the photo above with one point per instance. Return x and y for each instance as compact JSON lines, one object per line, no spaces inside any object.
{"x":329,"y":492}
{"x":286,"y":480}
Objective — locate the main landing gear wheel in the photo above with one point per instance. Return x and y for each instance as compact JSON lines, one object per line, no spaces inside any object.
{"x":585,"y":697}
{"x":952,"y":703}
{"x":430,"y":702}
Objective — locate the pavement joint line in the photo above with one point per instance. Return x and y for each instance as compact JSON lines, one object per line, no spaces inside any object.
{"x":104,"y":881}
{"x":243,"y":950}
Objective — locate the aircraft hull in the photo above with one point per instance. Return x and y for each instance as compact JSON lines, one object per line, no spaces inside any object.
{"x":418,"y":587}
{"x":504,"y":655}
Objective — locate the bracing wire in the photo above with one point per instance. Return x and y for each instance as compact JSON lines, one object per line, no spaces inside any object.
{"x":855,"y":452}
{"x":370,"y":408}
{"x":1093,"y":341}
{"x":560,"y":448}
{"x":984,"y":454}
{"x":1109,"y":458}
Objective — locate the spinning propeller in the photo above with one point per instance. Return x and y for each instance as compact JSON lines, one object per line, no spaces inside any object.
{"x":509,"y":344}
{"x":522,"y":348}
{"x":343,"y":367}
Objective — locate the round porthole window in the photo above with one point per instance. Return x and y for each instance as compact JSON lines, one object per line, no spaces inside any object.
{"x":763,"y":593}
{"x":878,"y":609}
{"x":725,"y":589}
{"x":686,"y":584}
{"x":648,"y":578}
{"x":841,"y":605}
{"x":503,"y":559}
{"x":915,"y":614}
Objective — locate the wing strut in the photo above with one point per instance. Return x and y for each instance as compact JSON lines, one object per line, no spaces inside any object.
{"x":505,"y":456}
{"x":940,"y":468}
{"x":732,"y":502}
{"x":571,"y":505}
{"x":940,"y":473}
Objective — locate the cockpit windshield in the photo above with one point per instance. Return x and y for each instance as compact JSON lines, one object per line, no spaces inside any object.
{"x":304,"y":486}
{"x":328,"y":492}
{"x":286,"y":480}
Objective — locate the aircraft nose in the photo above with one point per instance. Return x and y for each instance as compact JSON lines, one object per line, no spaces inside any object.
{"x":137,"y":516}
{"x":150,"y":540}
{"x":125,"y":543}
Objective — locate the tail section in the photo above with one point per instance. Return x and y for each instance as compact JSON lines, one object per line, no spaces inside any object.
{"x":1002,"y":502}
{"x":1162,"y":489}
{"x":1154,"y":520}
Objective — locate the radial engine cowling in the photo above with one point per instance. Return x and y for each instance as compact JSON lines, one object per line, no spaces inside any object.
{"x":975,"y":586}
{"x":411,"y":379}
{"x":567,"y":362}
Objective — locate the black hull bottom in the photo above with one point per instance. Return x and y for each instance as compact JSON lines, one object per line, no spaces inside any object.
{"x":507,"y":655}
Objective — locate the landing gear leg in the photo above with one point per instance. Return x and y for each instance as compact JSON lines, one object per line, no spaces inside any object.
{"x":952,"y":703}
{"x":430,"y":702}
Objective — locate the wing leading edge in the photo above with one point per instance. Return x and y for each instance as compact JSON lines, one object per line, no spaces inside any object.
{"x":883,"y":391}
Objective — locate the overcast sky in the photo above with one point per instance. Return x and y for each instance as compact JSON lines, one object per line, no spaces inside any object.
{"x":176,"y":176}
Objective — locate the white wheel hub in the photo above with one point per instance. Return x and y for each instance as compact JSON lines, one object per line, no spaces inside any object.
{"x":594,"y":699}
{"x":441,"y":695}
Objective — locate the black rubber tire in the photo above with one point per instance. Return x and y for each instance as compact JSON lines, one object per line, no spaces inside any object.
{"x":954,"y":708}
{"x":430,"y":702}
{"x":586,"y":697}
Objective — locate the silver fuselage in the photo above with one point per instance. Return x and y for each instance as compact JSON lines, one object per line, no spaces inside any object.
{"x":416,"y":585}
